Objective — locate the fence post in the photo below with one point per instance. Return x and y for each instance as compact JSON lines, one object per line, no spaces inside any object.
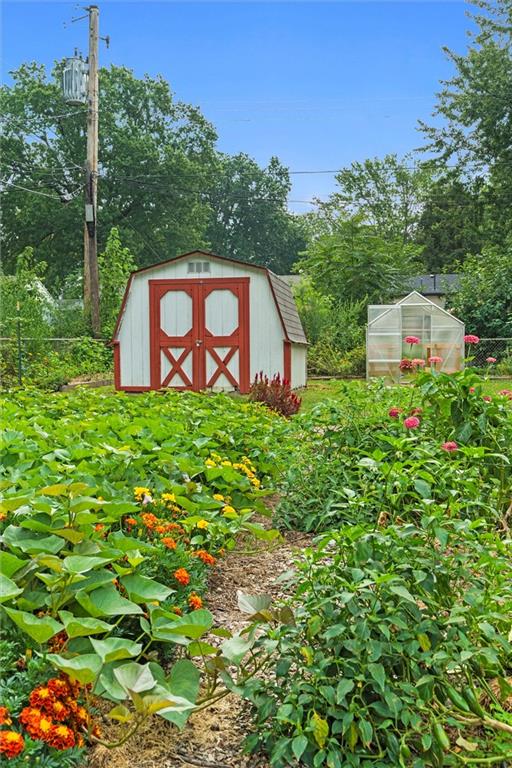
{"x":18,"y":333}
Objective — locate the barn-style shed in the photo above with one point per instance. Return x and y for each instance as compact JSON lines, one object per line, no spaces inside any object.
{"x":201,"y":321}
{"x":440,"y":335}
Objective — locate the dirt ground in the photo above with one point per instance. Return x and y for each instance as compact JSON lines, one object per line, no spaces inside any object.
{"x":213,"y":738}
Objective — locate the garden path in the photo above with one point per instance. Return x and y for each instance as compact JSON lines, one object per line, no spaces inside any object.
{"x":213,"y":738}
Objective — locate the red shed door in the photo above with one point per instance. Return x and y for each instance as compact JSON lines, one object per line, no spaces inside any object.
{"x":200,"y":333}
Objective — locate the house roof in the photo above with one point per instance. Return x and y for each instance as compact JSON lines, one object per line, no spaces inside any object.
{"x":433,"y":284}
{"x":281,"y":291}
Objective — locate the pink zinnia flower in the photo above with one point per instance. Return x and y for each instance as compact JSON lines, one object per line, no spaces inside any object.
{"x":418,"y":362}
{"x":506,"y":393}
{"x":412,"y":340}
{"x":471,"y":339}
{"x":406,"y":364}
{"x":487,"y":398}
{"x":450,"y":446}
{"x":411,"y":422}
{"x":394,"y":412}
{"x":435,"y":359}
{"x":471,"y":389}
{"x":416,"y":411}
{"x":490,"y":359}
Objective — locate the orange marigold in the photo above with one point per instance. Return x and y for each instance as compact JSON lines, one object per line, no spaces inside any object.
{"x":205,"y":556}
{"x":59,"y":711}
{"x":168,"y":542}
{"x":149,"y":520}
{"x":195,"y":601}
{"x":42,"y":698}
{"x":130,"y":521}
{"x":182,"y":576}
{"x":61,"y":737}
{"x":160,"y":529}
{"x":81,"y":716}
{"x":36,"y":723}
{"x":177,"y":610}
{"x":4,"y":716}
{"x":11,"y":744}
{"x":58,"y":687}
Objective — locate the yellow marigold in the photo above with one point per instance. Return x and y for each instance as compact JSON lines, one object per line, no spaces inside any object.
{"x":3,"y":515}
{"x":255,"y":482}
{"x":226,"y":463}
{"x":140,"y":491}
{"x":170,"y":497}
{"x":218,"y":497}
{"x":210,"y":463}
{"x":195,"y":601}
{"x":11,"y":744}
{"x":227,"y":510}
{"x":202,"y":524}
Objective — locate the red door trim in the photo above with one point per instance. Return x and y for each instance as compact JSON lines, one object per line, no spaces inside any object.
{"x":287,"y":354}
{"x":199,"y":289}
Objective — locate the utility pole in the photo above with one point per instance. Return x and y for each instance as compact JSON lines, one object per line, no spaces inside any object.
{"x":91,"y":278}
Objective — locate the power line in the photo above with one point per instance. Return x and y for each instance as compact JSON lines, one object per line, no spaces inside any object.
{"x":44,"y":194}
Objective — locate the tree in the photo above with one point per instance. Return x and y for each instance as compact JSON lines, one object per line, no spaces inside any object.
{"x":249,"y":219}
{"x":355,"y":262}
{"x":115,"y":265}
{"x":156,"y":155}
{"x":484,"y":298}
{"x":474,"y":107}
{"x":388,"y":193}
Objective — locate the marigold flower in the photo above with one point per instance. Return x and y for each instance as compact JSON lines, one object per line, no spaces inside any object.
{"x":4,"y":716}
{"x":3,"y":515}
{"x":160,"y":529}
{"x":490,"y":360}
{"x":37,"y":724}
{"x":394,"y":412}
{"x":182,"y":576}
{"x":205,"y":556}
{"x":450,"y":446}
{"x":61,"y":737}
{"x":227,"y":510}
{"x":11,"y":744}
{"x":58,"y":687}
{"x":210,"y":463}
{"x":202,"y":524}
{"x":412,"y":340}
{"x":170,"y":497}
{"x":435,"y":359}
{"x":412,"y":422}
{"x":218,"y":497}
{"x":42,"y":698}
{"x":82,"y":716}
{"x":226,"y":463}
{"x":59,"y":711}
{"x":99,"y":527}
{"x":195,"y":601}
{"x":471,"y":339}
{"x":256,"y":482}
{"x":149,"y":519}
{"x":168,"y":542}
{"x":139,"y":492}
{"x":131,"y":521}
{"x":177,"y":610}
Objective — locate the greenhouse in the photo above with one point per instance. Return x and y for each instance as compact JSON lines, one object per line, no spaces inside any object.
{"x":439,"y":338}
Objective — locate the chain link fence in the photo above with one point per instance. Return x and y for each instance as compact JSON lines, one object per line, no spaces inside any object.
{"x":53,"y":362}
{"x":493,"y":355}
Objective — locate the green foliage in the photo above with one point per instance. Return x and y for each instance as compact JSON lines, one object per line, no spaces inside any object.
{"x":25,"y":287}
{"x":387,"y":625}
{"x":355,"y":262}
{"x":484,"y":298}
{"x":115,"y":265}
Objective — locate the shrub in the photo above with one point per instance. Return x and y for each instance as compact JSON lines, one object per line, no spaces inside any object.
{"x":397,"y":634}
{"x":276,"y":394}
{"x":353,"y":363}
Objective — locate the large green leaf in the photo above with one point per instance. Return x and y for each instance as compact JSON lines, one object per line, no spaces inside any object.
{"x":8,"y":589}
{"x":115,"y":648}
{"x":82,"y":626}
{"x":9,"y":563}
{"x":31,"y":544}
{"x":82,"y":668}
{"x":135,"y":677}
{"x":142,"y":589}
{"x":83,"y":563}
{"x":39,"y":629}
{"x":106,"y":601}
{"x":191,"y":626}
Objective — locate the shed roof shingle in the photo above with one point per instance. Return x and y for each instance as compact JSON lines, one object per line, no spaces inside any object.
{"x":287,"y":309}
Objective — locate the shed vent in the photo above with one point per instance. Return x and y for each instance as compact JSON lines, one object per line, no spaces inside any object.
{"x":198,"y":266}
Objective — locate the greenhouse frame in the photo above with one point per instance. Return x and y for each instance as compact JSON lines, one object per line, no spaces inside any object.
{"x":440,"y":333}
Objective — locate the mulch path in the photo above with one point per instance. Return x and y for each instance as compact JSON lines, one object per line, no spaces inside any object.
{"x":213,"y":738}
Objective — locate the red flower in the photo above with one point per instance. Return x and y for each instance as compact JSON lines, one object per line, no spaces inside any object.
{"x":490,"y":360}
{"x":182,"y":576}
{"x":412,"y":422}
{"x":394,"y":412}
{"x":58,"y":687}
{"x":42,"y":698}
{"x":11,"y":744}
{"x":487,"y":398}
{"x":59,"y":711}
{"x":4,"y":716}
{"x":412,"y":340}
{"x":61,"y":737}
{"x":406,"y":364}
{"x":471,"y":339}
{"x":450,"y":446}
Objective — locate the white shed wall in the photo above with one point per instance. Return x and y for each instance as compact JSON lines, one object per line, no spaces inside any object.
{"x":266,"y":332}
{"x":299,"y":362}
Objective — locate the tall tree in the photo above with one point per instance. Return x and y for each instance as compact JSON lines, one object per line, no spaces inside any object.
{"x":476,"y":116}
{"x":249,"y":219}
{"x":157,"y":157}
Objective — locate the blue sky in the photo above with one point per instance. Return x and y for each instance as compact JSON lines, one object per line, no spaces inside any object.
{"x":317,"y":84}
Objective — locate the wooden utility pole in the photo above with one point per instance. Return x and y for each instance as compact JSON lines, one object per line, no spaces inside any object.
{"x":91,"y":278}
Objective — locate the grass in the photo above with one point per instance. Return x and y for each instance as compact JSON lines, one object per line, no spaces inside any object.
{"x":318,"y":391}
